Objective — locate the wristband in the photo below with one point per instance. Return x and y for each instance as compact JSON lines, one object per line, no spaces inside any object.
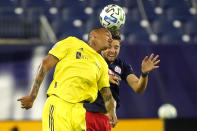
{"x":144,"y":74}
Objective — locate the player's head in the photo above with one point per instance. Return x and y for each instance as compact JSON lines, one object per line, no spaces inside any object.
{"x":111,"y":53}
{"x":100,"y":39}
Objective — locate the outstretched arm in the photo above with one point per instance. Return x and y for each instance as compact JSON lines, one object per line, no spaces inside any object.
{"x":148,"y":64}
{"x":48,"y":62}
{"x":110,"y":105}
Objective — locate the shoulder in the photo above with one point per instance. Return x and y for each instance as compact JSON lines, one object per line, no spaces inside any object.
{"x":123,"y":64}
{"x":103,"y":62}
{"x":102,"y":59}
{"x":71,"y":40}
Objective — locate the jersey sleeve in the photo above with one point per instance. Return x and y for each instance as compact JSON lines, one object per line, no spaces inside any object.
{"x":61,"y":48}
{"x":127,"y":70}
{"x":104,"y":79}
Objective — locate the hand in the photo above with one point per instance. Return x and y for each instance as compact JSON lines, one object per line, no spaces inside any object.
{"x":113,"y":119}
{"x":148,"y":64}
{"x":114,"y":79}
{"x":26,"y":102}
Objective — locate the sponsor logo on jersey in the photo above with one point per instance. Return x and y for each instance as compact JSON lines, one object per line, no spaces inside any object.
{"x":118,"y":69}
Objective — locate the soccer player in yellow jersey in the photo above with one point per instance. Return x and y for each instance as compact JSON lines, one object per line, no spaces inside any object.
{"x":80,"y":72}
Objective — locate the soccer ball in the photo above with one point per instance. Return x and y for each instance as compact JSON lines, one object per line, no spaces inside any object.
{"x":167,"y":111}
{"x":112,"y":17}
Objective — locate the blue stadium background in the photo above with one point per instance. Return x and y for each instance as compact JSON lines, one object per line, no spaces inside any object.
{"x":164,"y":27}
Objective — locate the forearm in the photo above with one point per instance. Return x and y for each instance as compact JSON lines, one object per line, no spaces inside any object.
{"x":48,"y":62}
{"x":142,"y":84}
{"x":137,"y":84}
{"x":110,"y":103}
{"x":148,"y":64}
{"x":38,"y":80}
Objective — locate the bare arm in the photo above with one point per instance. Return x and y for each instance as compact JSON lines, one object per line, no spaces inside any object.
{"x":110,"y":105}
{"x":48,"y":62}
{"x":139,"y":84}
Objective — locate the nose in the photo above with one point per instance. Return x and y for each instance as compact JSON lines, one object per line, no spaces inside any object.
{"x":112,"y":50}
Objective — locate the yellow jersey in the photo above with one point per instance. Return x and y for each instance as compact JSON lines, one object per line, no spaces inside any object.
{"x":80,"y":72}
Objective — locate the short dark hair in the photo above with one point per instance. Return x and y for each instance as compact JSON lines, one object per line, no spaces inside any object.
{"x":115,"y":35}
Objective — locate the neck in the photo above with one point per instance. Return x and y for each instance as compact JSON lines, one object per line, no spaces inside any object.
{"x":109,"y":62}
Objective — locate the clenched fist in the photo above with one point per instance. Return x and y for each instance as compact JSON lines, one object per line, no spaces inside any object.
{"x":26,"y":102}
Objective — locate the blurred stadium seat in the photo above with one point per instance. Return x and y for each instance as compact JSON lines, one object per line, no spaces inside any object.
{"x":132,"y":27}
{"x":172,"y":38}
{"x":194,"y":39}
{"x":169,"y":3}
{"x":34,"y":3}
{"x":162,"y":26}
{"x":190,"y":27}
{"x":61,"y":14}
{"x":138,"y":38}
{"x":130,"y":3}
{"x":177,"y":14}
{"x":133,"y":15}
{"x":6,"y":3}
